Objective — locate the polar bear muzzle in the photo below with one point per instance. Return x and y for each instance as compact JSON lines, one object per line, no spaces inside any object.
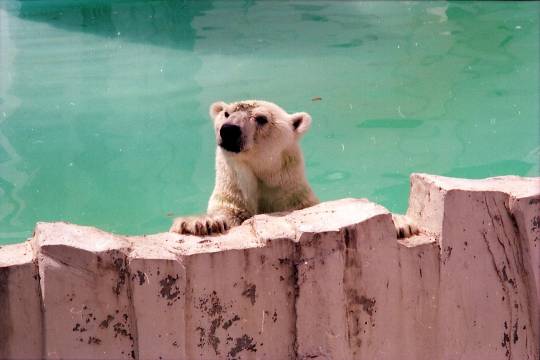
{"x":231,"y":138}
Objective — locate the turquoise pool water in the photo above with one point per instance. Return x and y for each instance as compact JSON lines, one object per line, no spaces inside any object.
{"x":103,"y":107}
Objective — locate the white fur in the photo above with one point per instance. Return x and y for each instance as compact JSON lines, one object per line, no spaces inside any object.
{"x":266,"y":176}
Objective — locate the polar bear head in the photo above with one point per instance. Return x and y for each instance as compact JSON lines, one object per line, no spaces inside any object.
{"x":256,"y":127}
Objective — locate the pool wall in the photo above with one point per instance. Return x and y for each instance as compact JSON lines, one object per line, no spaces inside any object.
{"x":327,"y":282}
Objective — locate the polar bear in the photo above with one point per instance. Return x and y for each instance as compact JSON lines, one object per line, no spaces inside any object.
{"x":259,"y":167}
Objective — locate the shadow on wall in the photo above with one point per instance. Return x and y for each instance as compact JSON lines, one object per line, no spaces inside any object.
{"x":163,"y":23}
{"x":242,"y":25}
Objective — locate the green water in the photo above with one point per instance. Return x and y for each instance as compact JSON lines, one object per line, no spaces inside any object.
{"x":103,"y":107}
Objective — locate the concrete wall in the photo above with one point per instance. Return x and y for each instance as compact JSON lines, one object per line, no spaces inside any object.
{"x":328,"y":282}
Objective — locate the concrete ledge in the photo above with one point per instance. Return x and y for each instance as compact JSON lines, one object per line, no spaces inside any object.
{"x":327,"y":282}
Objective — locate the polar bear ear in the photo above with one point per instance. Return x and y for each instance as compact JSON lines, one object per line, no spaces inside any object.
{"x":300,"y":122}
{"x":216,"y":108}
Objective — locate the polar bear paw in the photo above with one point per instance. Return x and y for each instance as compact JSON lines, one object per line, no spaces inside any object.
{"x":200,"y":225}
{"x":405,"y":226}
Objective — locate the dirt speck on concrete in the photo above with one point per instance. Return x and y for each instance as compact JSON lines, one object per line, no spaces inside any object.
{"x":368,"y":304}
{"x":141,"y":277}
{"x":213,"y":340}
{"x":92,"y":340}
{"x":250,"y":292}
{"x":229,"y":322}
{"x":121,"y":270}
{"x":105,"y":323}
{"x":242,"y":343}
{"x":169,"y":289}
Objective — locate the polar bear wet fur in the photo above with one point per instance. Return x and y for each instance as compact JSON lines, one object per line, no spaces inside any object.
{"x":259,"y":168}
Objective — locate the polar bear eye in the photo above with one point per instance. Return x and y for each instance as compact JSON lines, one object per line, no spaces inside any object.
{"x":226,"y":114}
{"x":261,"y":119}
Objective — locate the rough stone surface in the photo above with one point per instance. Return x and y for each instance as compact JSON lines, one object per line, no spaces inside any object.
{"x":327,"y":282}
{"x":487,"y":281}
{"x":21,"y":319}
{"x":157,"y":280}
{"x":86,"y":293}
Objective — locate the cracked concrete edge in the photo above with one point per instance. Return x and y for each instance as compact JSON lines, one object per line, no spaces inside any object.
{"x":519,"y":197}
{"x":488,"y":228}
{"x":428,"y":192}
{"x":526,"y":213}
{"x":517,"y":186}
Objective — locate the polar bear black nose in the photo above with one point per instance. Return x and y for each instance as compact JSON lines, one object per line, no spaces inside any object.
{"x":230,"y":133}
{"x":231,"y":137}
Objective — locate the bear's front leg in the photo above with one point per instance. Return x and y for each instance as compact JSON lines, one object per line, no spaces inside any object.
{"x":201,"y":225}
{"x":405,"y":227}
